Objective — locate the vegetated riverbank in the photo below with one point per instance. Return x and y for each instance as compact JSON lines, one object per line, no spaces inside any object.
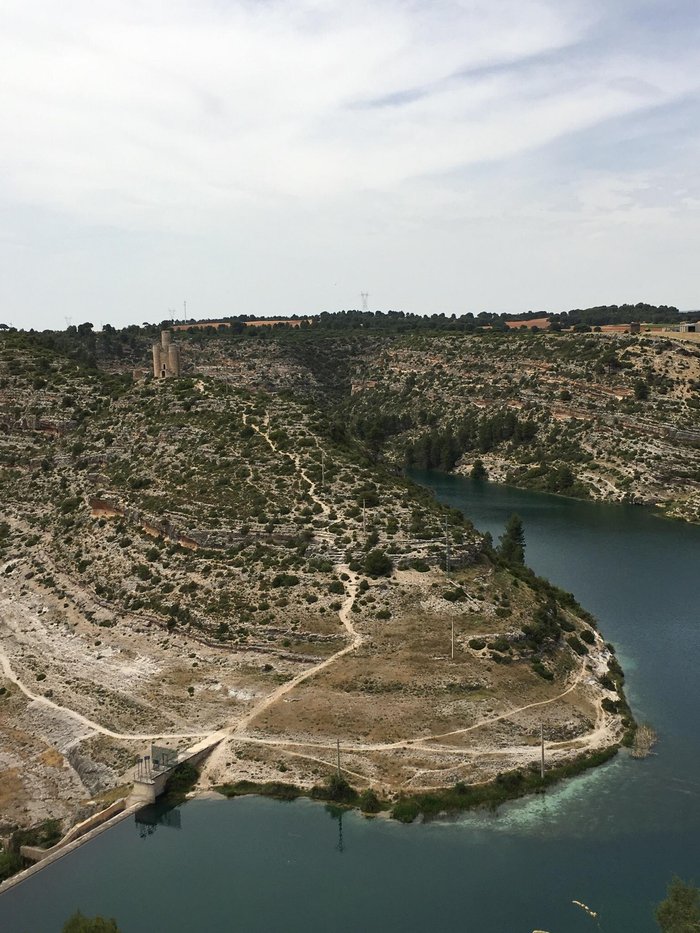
{"x":634,"y":573}
{"x":406,"y":808}
{"x":500,"y":473}
{"x":462,"y":796}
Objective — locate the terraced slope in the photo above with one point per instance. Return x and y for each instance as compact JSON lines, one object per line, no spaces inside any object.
{"x":204,"y":556}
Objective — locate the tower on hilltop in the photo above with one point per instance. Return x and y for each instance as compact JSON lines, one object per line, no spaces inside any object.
{"x":166,"y":357}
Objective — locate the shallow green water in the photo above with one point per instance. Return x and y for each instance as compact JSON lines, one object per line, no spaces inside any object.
{"x":611,"y":838}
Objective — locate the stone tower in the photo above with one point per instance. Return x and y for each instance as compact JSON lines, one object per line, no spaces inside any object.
{"x":166,"y":357}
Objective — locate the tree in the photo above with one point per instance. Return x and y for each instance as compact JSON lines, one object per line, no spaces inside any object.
{"x":78,"y":923}
{"x":680,"y":911}
{"x":512,"y":546}
{"x":378,"y":564}
{"x":561,"y":479}
{"x":479,"y":471}
{"x":338,"y":789}
{"x":369,"y":802}
{"x":641,"y":390}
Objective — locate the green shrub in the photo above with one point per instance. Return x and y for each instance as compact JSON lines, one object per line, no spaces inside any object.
{"x":378,"y":564}
{"x":369,"y":802}
{"x":456,"y":595}
{"x":10,"y":864}
{"x":500,"y":644}
{"x":275,"y":789}
{"x":680,"y":911}
{"x":44,"y":835}
{"x":405,"y":810}
{"x":576,"y":645}
{"x":336,"y":789}
{"x":420,"y":566}
{"x":539,"y":668}
{"x":284,"y":579}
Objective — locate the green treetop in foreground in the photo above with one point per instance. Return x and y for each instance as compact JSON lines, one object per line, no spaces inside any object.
{"x":78,"y":923}
{"x":680,"y":911}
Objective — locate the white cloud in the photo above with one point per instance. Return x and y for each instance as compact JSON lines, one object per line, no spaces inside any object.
{"x":232,"y":118}
{"x":183,"y":103}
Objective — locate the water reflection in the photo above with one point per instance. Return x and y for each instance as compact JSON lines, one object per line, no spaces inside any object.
{"x":149,"y":818}
{"x":337,"y":813}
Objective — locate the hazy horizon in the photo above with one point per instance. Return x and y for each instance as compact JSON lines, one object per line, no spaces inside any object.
{"x":279,"y":158}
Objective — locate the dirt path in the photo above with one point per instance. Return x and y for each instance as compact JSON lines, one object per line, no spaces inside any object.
{"x":598,"y":736}
{"x":355,"y":642}
{"x":418,"y":742}
{"x":10,"y":675}
{"x":238,"y":731}
{"x":295,"y":458}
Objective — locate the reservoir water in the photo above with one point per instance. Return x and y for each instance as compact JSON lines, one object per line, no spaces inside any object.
{"x":611,"y":838}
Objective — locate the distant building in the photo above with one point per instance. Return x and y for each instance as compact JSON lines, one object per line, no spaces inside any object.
{"x":689,"y":328}
{"x":166,"y":357}
{"x":635,"y":327}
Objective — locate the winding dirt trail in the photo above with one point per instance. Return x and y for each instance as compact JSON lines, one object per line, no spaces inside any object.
{"x":10,"y":675}
{"x":238,"y":731}
{"x":354,"y":643}
{"x":419,"y":741}
{"x":294,"y":457}
{"x":597,"y":737}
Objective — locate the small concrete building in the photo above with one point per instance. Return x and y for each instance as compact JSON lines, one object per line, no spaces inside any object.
{"x":689,"y":328}
{"x":166,"y":357}
{"x":635,"y":327}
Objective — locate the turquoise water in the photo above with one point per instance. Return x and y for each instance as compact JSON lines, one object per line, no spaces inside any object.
{"x":611,"y":838}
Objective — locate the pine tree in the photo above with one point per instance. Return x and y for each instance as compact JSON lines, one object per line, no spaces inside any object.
{"x":680,"y":912}
{"x":512,"y":546}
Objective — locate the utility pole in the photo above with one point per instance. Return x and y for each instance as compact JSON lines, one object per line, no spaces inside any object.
{"x":447,"y":549}
{"x":184,"y":305}
{"x":542,"y":750}
{"x":337,"y":745}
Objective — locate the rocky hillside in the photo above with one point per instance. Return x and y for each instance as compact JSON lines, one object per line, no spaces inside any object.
{"x":236,"y":552}
{"x":602,"y":416}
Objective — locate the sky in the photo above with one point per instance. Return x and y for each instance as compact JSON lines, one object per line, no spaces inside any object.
{"x":277,"y":157}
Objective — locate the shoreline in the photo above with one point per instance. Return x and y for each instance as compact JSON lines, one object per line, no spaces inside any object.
{"x":432,"y":804}
{"x":417,"y":808}
{"x":653,"y":509}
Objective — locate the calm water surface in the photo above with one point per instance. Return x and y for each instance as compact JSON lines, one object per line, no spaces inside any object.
{"x":611,"y":838}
